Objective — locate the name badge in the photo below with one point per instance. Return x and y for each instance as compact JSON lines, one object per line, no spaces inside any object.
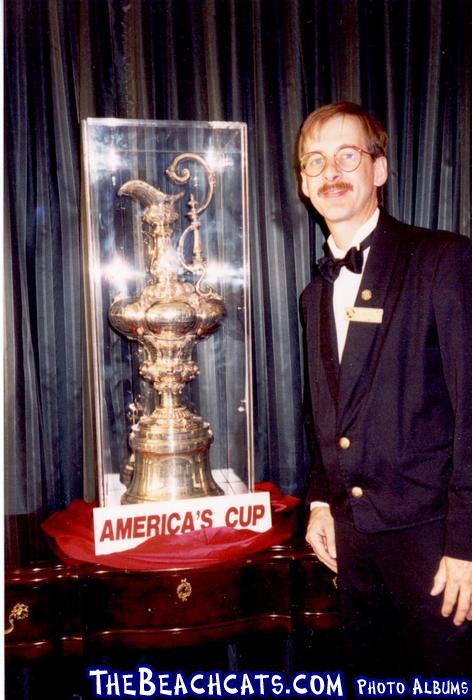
{"x":364,"y":314}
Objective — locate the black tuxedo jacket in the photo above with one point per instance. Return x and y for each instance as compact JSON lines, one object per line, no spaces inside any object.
{"x":402,"y":397}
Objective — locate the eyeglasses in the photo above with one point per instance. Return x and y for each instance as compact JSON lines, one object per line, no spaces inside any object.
{"x":347,"y":158}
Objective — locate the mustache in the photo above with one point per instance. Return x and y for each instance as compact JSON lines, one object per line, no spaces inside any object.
{"x":326,"y":188}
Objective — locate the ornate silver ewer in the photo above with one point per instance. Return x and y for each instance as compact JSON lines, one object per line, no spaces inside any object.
{"x":170,"y":446}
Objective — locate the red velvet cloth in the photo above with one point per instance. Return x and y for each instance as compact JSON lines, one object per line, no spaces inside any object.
{"x":72,"y":531}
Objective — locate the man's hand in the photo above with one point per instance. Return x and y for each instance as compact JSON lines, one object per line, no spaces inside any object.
{"x":454,"y":577}
{"x":320,"y":535}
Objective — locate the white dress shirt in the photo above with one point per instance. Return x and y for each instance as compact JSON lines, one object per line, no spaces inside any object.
{"x":346,"y":286}
{"x":345,"y":290}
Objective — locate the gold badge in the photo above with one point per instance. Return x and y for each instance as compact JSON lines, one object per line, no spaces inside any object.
{"x":363,"y":314}
{"x":366,"y":295}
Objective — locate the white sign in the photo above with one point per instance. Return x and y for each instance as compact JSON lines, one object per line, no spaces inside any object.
{"x":118,"y":528}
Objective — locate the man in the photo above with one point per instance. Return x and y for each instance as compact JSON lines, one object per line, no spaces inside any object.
{"x":388,"y":332}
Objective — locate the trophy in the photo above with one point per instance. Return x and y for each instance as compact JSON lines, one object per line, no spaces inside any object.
{"x":170,"y":446}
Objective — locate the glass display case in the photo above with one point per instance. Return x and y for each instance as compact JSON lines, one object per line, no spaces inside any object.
{"x":167,"y":308}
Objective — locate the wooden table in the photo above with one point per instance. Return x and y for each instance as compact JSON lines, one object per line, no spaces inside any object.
{"x":66,"y":608}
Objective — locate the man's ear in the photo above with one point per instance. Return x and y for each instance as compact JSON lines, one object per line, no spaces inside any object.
{"x":304,"y":185}
{"x":380,"y":171}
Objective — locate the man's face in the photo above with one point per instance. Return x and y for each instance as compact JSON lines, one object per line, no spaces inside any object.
{"x":343,"y":197}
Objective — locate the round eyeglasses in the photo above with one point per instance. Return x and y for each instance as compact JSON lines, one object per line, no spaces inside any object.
{"x":347,"y":158}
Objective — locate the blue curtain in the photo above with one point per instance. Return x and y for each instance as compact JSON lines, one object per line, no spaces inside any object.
{"x":264,"y":62}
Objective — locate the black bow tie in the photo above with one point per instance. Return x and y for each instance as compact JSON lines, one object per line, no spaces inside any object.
{"x":330,"y":267}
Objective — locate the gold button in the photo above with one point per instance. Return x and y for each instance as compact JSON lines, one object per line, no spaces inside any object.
{"x":366,"y":295}
{"x":357,"y":492}
{"x":344,"y":442}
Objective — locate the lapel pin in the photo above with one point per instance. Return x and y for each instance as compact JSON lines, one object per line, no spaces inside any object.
{"x":366,"y":295}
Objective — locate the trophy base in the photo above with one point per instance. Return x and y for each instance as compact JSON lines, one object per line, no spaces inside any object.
{"x":170,"y":458}
{"x":170,"y":477}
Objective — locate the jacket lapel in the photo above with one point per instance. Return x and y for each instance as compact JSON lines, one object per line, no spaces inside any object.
{"x":381,"y":281}
{"x":321,"y":351}
{"x":328,"y":340}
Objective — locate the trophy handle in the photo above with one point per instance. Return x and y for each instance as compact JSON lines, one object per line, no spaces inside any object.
{"x":198,"y":264}
{"x":184,"y":177}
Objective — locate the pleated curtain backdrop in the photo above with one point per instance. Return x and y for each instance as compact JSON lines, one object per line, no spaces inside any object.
{"x":265,"y":62}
